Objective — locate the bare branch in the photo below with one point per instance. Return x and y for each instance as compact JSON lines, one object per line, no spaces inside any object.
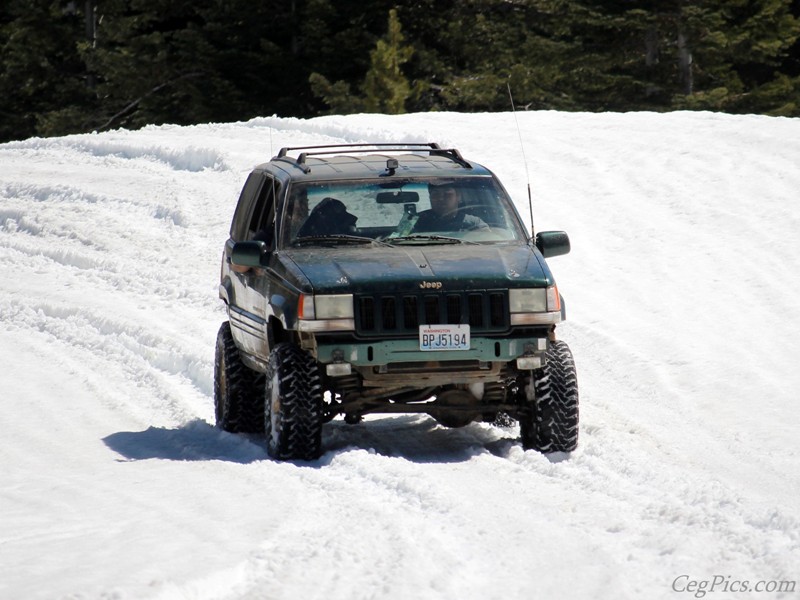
{"x":130,"y":107}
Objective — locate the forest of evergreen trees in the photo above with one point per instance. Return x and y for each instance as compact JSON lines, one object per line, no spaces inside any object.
{"x":91,"y":65}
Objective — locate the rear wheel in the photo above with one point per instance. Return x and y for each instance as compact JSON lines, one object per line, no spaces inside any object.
{"x":238,"y":391}
{"x":293,"y":410}
{"x":550,"y":423}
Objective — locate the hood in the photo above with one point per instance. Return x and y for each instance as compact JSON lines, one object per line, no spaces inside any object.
{"x":369,"y":269}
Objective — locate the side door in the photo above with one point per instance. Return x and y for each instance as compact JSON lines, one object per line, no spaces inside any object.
{"x":255,"y":220}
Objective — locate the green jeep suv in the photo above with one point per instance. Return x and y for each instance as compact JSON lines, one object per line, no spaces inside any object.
{"x":388,"y":278}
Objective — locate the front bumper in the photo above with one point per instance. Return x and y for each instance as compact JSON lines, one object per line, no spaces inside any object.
{"x":401,"y":362}
{"x":369,"y":354}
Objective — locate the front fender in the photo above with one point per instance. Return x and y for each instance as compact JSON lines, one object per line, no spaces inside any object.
{"x":284,"y":309}
{"x":226,"y":291}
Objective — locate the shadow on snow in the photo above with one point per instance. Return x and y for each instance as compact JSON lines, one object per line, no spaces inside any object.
{"x":193,"y":441}
{"x":415,"y":438}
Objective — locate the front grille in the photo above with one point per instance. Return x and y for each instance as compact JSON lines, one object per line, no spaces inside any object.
{"x":401,"y":314}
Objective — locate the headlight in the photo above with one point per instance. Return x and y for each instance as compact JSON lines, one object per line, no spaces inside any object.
{"x":339,"y":306}
{"x":326,"y":312}
{"x":534,"y":306}
{"x":527,"y":300}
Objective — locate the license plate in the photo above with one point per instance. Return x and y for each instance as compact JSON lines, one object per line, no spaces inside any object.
{"x":443,"y":337}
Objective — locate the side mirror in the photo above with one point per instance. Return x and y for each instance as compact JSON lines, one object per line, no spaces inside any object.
{"x":249,"y":254}
{"x":552,"y":243}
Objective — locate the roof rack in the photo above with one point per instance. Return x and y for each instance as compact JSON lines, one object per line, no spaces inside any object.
{"x":432,"y":147}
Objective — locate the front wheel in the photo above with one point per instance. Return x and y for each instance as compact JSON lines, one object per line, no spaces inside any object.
{"x":550,"y":423}
{"x":293,"y":408}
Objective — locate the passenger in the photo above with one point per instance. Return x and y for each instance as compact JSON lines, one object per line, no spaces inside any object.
{"x":329,"y":217}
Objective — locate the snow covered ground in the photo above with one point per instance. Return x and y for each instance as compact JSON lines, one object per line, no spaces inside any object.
{"x":683,"y":297}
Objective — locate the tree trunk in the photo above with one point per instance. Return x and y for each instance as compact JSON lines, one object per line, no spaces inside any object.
{"x":685,"y":62}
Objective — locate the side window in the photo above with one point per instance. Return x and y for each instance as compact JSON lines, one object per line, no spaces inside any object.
{"x":244,"y":208}
{"x":261,"y":225}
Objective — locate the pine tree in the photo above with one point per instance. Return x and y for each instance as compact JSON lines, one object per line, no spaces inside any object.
{"x":42,"y":79}
{"x":648,"y":54}
{"x":153,"y":63}
{"x":182,"y":61}
{"x":385,"y":87}
{"x":739,"y":48}
{"x":483,"y":46}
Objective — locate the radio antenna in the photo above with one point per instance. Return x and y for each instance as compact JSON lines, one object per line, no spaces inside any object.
{"x":270,"y":142}
{"x":525,"y":160}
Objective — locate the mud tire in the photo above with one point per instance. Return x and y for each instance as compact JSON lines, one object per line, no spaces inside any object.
{"x":293,"y":407}
{"x":238,"y":390}
{"x":550,"y":423}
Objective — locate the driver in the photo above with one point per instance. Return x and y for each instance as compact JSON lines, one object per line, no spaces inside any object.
{"x":445,"y":214}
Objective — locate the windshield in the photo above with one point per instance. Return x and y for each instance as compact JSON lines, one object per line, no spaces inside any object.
{"x":463,"y":210}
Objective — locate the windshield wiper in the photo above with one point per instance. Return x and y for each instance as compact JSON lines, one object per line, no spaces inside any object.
{"x":334,"y":238}
{"x":436,"y":239}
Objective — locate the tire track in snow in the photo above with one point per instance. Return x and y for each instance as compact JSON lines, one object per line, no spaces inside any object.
{"x":329,"y":548}
{"x":192,"y":158}
{"x":670,"y":509}
{"x":89,"y":290}
{"x":682,"y":491}
{"x":156,"y":366}
{"x":655,"y":490}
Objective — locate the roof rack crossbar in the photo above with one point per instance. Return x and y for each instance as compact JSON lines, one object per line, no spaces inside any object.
{"x":294,"y":163}
{"x":432,"y":147}
{"x":405,"y":146}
